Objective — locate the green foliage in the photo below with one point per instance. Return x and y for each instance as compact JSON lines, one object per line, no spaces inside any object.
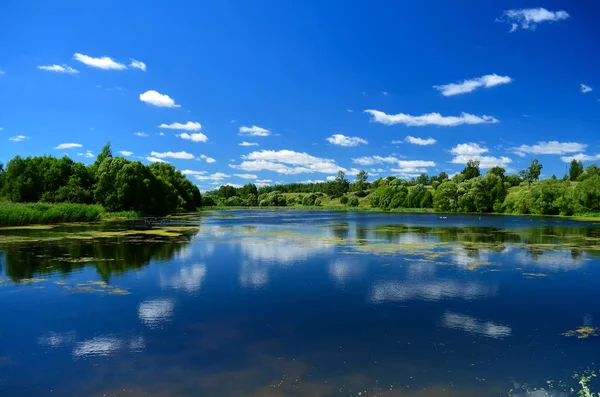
{"x":344,"y":200}
{"x":353,"y":202}
{"x":471,"y":170}
{"x":532,"y":173}
{"x":445,"y":198}
{"x":273,"y":199}
{"x":361,"y":180}
{"x":309,"y":199}
{"x":575,"y":170}
{"x":18,"y":214}
{"x":114,"y":182}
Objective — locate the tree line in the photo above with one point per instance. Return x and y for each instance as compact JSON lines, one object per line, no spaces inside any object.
{"x":116,"y":183}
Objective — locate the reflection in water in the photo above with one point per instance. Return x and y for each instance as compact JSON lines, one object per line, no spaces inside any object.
{"x":328,"y":326}
{"x":155,"y":313}
{"x":474,"y":326}
{"x":189,"y":278}
{"x":435,"y":290}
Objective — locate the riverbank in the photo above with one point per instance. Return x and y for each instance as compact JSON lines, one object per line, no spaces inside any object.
{"x":20,"y":214}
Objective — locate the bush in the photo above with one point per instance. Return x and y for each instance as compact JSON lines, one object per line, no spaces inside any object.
{"x":353,"y":202}
{"x":318,"y":202}
{"x":234,"y":201}
{"x":361,"y":193}
{"x":309,"y":199}
{"x":344,"y":200}
{"x":17,"y":214}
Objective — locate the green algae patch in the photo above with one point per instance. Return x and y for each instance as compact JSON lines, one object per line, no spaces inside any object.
{"x":95,"y":287}
{"x":27,"y":227}
{"x":583,"y":332}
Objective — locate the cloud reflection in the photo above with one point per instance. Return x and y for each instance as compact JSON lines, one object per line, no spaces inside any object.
{"x":102,"y":346}
{"x":188,"y":279}
{"x":474,"y":326}
{"x":394,"y":291}
{"x":154,"y":313}
{"x":343,"y":271}
{"x":56,"y":340}
{"x":283,"y":251}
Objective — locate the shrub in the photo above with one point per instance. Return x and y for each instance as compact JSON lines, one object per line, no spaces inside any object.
{"x":353,"y":202}
{"x":344,"y":200}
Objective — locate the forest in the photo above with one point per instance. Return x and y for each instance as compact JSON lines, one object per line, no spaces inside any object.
{"x":115,"y":183}
{"x":576,"y":193}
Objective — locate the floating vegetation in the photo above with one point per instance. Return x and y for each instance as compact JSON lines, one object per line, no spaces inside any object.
{"x":582,"y":332}
{"x":535,"y":275}
{"x":33,"y":280}
{"x":27,"y":227}
{"x":96,"y":287}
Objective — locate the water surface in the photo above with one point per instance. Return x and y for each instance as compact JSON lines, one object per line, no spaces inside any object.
{"x":293,"y":303}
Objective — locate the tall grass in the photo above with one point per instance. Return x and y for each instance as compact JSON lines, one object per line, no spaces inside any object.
{"x":17,"y":214}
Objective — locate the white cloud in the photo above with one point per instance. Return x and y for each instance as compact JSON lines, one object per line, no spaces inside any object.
{"x":246,"y":176}
{"x":18,"y":138}
{"x":190,"y":172}
{"x":415,"y":163}
{"x":248,"y":144}
{"x":161,"y":134}
{"x":347,"y":141}
{"x":155,"y":160}
{"x":428,"y":119}
{"x":189,"y":126}
{"x":137,"y":64}
{"x":485,"y":162}
{"x":286,"y":162}
{"x":173,"y":155}
{"x":217,"y":176}
{"x":140,"y":134}
{"x":529,"y":18}
{"x":580,"y":157}
{"x":585,"y":88}
{"x":105,"y":63}
{"x":88,"y":154}
{"x":157,"y":99}
{"x":195,"y":137}
{"x":474,"y":326}
{"x":254,"y":131}
{"x":471,"y":85}
{"x":59,"y":69}
{"x":370,"y":160}
{"x":262,"y":182}
{"x":419,"y":141}
{"x":209,"y":160}
{"x":468,"y":149}
{"x":551,"y":147}
{"x":68,"y":145}
{"x":154,"y":313}
{"x":330,"y":178}
{"x":125,"y":153}
{"x":397,"y":142}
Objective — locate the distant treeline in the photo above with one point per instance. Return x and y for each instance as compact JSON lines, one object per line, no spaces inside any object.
{"x":468,"y":191}
{"x":114,"y":182}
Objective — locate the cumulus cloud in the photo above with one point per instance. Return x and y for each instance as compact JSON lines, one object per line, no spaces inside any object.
{"x":155,"y":98}
{"x":468,"y":149}
{"x":68,"y":145}
{"x":262,"y":182}
{"x":18,"y":138}
{"x":580,"y":157}
{"x":254,"y":131}
{"x":143,"y":134}
{"x":125,"y":153}
{"x":530,"y":18}
{"x":585,"y":88}
{"x":248,"y":144}
{"x":550,"y":147}
{"x":155,"y":160}
{"x":419,"y":141}
{"x":415,"y":163}
{"x":370,"y":160}
{"x":204,"y":157}
{"x":472,"y":151}
{"x":173,"y":155}
{"x":217,"y":177}
{"x":286,"y":162}
{"x":137,"y":64}
{"x":195,"y":137}
{"x":190,"y":172}
{"x":428,"y":119}
{"x":466,"y":86}
{"x":189,"y":126}
{"x":105,"y":63}
{"x":347,"y":141}
{"x":88,"y":154}
{"x":59,"y":69}
{"x":246,"y":176}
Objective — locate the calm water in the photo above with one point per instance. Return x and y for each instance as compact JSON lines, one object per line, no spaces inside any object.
{"x":291,"y":303}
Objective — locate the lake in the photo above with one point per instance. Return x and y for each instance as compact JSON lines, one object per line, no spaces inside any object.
{"x":296,"y":303}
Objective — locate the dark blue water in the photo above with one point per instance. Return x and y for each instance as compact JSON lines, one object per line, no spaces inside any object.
{"x":291,"y":303}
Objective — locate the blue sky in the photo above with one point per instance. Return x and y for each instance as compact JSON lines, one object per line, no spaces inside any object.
{"x":390,"y":87}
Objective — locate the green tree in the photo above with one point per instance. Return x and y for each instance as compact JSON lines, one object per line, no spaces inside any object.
{"x":575,"y":170}
{"x":445,"y":198}
{"x":342,"y":182}
{"x":361,"y":180}
{"x":344,"y":200}
{"x":471,"y":170}
{"x":422,"y":179}
{"x":353,"y":202}
{"x":532,"y":173}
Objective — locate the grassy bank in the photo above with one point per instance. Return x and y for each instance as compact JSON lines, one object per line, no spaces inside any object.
{"x":18,"y":214}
